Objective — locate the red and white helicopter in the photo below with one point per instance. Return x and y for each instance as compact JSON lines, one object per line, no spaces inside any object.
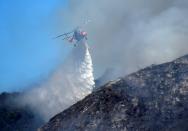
{"x":74,"y":36}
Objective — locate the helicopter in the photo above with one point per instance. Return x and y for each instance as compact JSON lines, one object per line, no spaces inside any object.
{"x":74,"y":36}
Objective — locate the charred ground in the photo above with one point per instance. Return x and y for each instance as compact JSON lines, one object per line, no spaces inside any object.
{"x":154,"y":98}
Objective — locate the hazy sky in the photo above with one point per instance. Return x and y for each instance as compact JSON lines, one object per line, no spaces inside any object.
{"x":27,"y":50}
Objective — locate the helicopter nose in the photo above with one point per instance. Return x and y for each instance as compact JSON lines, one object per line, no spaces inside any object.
{"x":84,"y":33}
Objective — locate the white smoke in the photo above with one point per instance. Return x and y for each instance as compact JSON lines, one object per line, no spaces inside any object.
{"x":131,"y":34}
{"x":69,"y":84}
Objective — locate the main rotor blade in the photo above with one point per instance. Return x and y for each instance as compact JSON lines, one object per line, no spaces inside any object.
{"x":67,"y":37}
{"x":63,"y":34}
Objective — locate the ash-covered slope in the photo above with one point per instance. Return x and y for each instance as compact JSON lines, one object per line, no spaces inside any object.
{"x":152,"y":99}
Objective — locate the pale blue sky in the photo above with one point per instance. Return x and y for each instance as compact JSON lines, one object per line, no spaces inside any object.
{"x":27,"y":51}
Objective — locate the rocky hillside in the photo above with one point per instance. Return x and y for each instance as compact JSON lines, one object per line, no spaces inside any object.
{"x":152,"y":99}
{"x":16,"y":117}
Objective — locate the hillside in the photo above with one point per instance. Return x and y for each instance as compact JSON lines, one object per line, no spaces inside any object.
{"x":152,"y":99}
{"x":16,"y":117}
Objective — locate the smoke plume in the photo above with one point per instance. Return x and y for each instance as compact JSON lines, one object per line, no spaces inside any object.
{"x":69,"y":84}
{"x":127,"y":35}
